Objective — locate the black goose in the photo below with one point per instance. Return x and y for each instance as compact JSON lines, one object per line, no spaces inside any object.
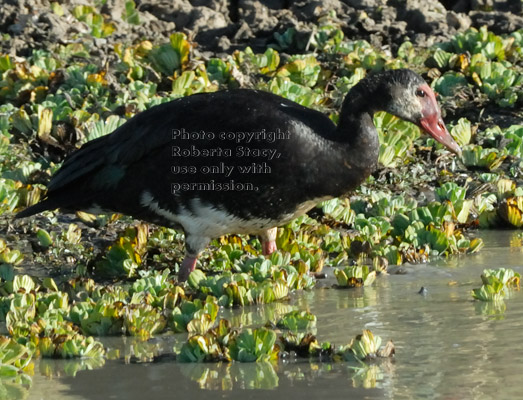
{"x":237,"y":161}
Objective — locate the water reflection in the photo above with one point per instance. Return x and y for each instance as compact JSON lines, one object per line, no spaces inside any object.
{"x":230,"y":376}
{"x":225,"y":380}
{"x":448,"y":346}
{"x":256,"y":315}
{"x":265,"y":375}
{"x":493,"y":309}
{"x":368,"y":376}
{"x":16,"y":387}
{"x":55,"y":368}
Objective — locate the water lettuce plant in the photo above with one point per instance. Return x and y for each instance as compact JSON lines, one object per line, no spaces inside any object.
{"x":14,"y":357}
{"x":419,"y":203}
{"x":479,"y":158}
{"x":254,"y":345}
{"x":224,"y":343}
{"x":489,"y":66}
{"x":263,"y":281}
{"x":367,"y":346}
{"x":496,"y":284}
{"x":16,"y":367}
{"x":199,"y":348}
{"x":124,"y":257}
{"x":297,"y":321}
{"x":298,"y":335}
{"x":490,"y":292}
{"x":506,"y":276}
{"x":396,"y":138}
{"x":354,"y":276}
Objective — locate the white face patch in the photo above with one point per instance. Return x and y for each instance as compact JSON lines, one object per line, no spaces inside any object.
{"x":405,"y":104}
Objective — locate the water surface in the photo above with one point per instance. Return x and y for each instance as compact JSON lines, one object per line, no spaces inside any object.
{"x":447,"y":345}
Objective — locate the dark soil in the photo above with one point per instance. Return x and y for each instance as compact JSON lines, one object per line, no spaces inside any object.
{"x":219,"y":26}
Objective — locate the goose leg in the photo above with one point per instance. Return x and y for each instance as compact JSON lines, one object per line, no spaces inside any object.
{"x":188,"y":266}
{"x":193,"y":246}
{"x":269,"y":241}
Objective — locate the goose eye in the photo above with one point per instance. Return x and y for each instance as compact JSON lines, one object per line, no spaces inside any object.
{"x":420,"y":93}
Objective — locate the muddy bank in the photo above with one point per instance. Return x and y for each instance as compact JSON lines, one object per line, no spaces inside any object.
{"x":219,"y":26}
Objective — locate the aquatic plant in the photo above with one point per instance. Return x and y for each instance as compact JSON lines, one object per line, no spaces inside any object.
{"x":490,"y":292}
{"x":125,"y":256}
{"x":201,"y":315}
{"x":396,"y":138}
{"x":506,"y":276}
{"x":200,"y":348}
{"x":254,"y":345}
{"x":262,"y":282}
{"x":488,"y":67}
{"x":496,"y":284}
{"x":354,"y":276}
{"x":70,"y":346}
{"x":224,"y":344}
{"x":297,"y":321}
{"x":95,"y":20}
{"x":100,"y":319}
{"x":366,"y":346}
{"x":56,"y":99}
{"x":143,"y":320}
{"x":168,"y":58}
{"x":478,"y":157}
{"x":14,"y":357}
{"x":305,"y":345}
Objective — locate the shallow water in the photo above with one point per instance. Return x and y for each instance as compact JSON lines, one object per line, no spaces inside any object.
{"x":447,"y":346}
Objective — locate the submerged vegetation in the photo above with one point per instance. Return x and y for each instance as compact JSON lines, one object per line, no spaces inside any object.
{"x":106,"y":275}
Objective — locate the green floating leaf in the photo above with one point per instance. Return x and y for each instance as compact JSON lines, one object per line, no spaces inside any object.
{"x":254,"y":345}
{"x":44,"y":239}
{"x":23,"y":283}
{"x":297,"y":321}
{"x":165,"y":59}
{"x":303,"y":70}
{"x":496,"y":284}
{"x":477,"y":156}
{"x":13,"y":356}
{"x":199,"y":348}
{"x":450,"y":83}
{"x":462,"y":131}
{"x":143,"y":321}
{"x":511,"y":210}
{"x":71,"y":346}
{"x":355,"y":276}
{"x":50,"y":284}
{"x":195,"y":277}
{"x":493,"y":292}
{"x":367,"y":346}
{"x":131,"y":14}
{"x":506,"y":276}
{"x":440,"y":59}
